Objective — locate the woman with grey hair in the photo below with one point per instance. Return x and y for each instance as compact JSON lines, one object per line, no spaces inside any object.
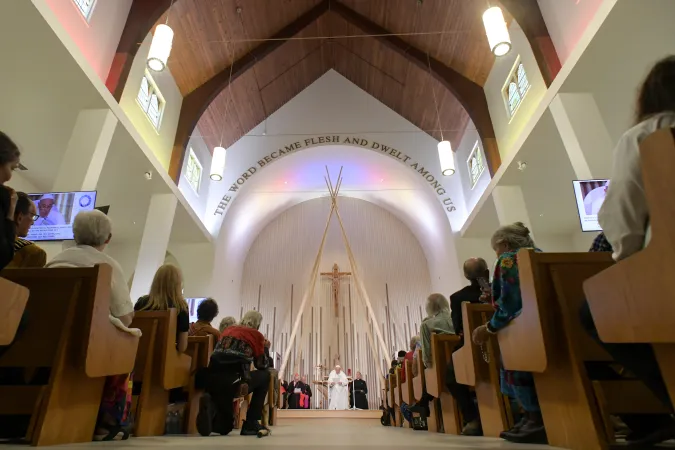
{"x":507,"y":241}
{"x":229,"y":375}
{"x":92,"y":231}
{"x":226,"y":322}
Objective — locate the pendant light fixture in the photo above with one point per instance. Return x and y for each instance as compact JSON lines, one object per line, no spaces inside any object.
{"x":218,"y":164}
{"x":445,"y":155}
{"x":160,"y":47}
{"x":497,"y":31}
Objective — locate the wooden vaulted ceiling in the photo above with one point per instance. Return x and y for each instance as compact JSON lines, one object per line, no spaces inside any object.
{"x":211,"y":34}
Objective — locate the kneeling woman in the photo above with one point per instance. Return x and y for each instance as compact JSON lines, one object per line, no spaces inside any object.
{"x":229,"y":369}
{"x":508,"y":303}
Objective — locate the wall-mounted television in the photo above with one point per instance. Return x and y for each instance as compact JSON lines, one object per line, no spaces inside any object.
{"x":590,"y":195}
{"x":56,"y":212}
{"x":193,"y":304}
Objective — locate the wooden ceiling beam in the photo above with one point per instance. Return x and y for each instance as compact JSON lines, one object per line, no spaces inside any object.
{"x":469,"y":94}
{"x":142,"y":17}
{"x":528,"y":15}
{"x":196,"y":102}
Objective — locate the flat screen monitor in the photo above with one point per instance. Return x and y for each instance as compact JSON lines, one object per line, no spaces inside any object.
{"x":56,"y":212}
{"x":193,"y":304}
{"x":590,"y":194}
{"x":104,"y":209}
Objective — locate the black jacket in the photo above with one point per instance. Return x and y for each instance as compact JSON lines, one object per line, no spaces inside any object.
{"x":7,"y":229}
{"x":469,"y":294}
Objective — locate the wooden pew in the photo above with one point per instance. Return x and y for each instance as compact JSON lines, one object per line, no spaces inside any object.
{"x":407,"y":388}
{"x":68,"y":331}
{"x":12,"y":304}
{"x":547,"y":340}
{"x":392,"y":399}
{"x":272,"y":412}
{"x":199,"y":349}
{"x":471,"y":369}
{"x":160,"y":367}
{"x":442,"y":346}
{"x":633,"y":301}
{"x":398,"y":396}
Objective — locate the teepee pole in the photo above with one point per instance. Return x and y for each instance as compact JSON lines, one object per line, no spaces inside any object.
{"x":309,"y":292}
{"x":359,"y":284}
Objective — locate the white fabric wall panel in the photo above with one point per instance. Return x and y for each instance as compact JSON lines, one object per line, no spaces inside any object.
{"x":391,"y":264}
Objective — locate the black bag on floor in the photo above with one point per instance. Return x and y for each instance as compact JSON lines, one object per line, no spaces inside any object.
{"x":385,"y":420}
{"x":420,"y":423}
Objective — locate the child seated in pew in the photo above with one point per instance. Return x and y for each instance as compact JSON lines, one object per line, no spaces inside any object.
{"x":507,"y":241}
{"x":229,"y":370}
{"x":624,"y":217}
{"x":206,"y":312}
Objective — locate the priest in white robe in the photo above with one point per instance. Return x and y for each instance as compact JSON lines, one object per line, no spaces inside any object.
{"x":338,"y":393}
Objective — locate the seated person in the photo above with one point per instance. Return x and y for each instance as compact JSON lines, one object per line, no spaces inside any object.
{"x":229,"y":368}
{"x":226,"y":322}
{"x":508,"y":303}
{"x":410,"y":355}
{"x":624,"y":217}
{"x":10,"y":159}
{"x":206,"y":312}
{"x":295,"y":389}
{"x":439,"y":321}
{"x":476,"y":271}
{"x":166,"y":292}
{"x":26,"y":253}
{"x":92,"y":231}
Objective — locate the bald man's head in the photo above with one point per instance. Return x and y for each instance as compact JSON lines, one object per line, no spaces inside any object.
{"x":475,"y":268}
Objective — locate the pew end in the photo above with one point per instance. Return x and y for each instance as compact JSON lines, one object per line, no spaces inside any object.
{"x":159,"y":367}
{"x":69,"y":334}
{"x":12,"y":303}
{"x":442,"y":347}
{"x":473,"y":370}
{"x":199,"y":350}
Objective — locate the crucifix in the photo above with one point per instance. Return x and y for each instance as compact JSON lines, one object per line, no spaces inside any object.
{"x":335,"y":284}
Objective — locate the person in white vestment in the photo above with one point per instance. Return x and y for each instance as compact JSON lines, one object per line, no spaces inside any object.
{"x":338,"y":393}
{"x":48,"y":213}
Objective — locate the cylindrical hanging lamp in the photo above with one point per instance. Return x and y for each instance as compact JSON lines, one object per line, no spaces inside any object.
{"x":497,"y":31}
{"x":218,"y":164}
{"x":160,"y":48}
{"x":446,"y":157}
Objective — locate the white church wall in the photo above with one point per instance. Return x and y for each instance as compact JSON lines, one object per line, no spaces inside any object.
{"x":391,"y":264}
{"x":566,"y":21}
{"x":508,"y":128}
{"x":98,"y":38}
{"x":159,"y":140}
{"x":332,"y":106}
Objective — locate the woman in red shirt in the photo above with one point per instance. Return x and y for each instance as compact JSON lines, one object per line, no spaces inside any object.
{"x":229,"y":369}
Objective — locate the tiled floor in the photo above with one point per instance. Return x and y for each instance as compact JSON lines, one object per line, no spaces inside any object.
{"x":315,"y":433}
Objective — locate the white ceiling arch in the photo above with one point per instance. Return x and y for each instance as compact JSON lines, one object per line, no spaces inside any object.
{"x":299,"y":177}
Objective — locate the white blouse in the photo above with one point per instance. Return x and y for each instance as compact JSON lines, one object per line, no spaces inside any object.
{"x":624,"y":216}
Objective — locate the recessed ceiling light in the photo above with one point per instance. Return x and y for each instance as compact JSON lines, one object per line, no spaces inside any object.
{"x":285,"y":182}
{"x":381,"y":180}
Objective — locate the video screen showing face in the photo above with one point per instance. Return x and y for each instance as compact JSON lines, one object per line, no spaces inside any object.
{"x":55,"y":213}
{"x":590,"y":195}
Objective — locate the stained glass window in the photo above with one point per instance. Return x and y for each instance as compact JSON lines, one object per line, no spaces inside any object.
{"x":475,"y":164}
{"x":150,"y":100}
{"x":193,"y":171}
{"x":516,"y":88}
{"x":86,"y":7}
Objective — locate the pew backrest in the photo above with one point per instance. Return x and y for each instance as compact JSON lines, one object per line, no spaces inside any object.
{"x":173,"y":367}
{"x":633,"y":301}
{"x":13,"y":301}
{"x":67,"y":303}
{"x":468,"y":360}
{"x":551,"y":289}
{"x":442,"y":347}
